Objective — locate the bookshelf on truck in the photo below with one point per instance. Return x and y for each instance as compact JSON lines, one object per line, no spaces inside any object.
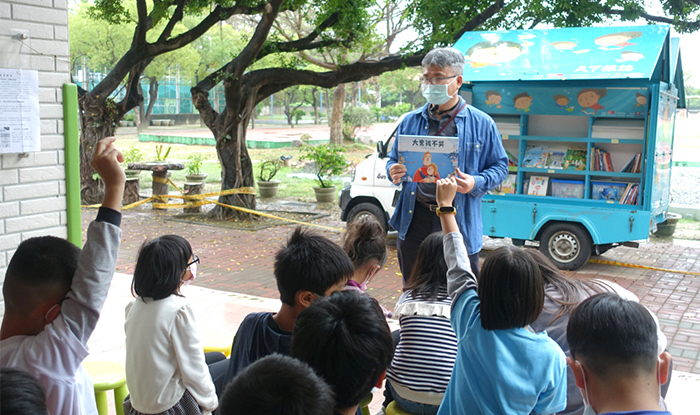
{"x":587,"y":118}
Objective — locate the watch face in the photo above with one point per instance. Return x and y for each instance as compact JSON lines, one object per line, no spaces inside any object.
{"x":446,"y":209}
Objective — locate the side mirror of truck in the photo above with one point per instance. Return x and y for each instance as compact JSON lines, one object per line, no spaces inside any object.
{"x":381,"y":149}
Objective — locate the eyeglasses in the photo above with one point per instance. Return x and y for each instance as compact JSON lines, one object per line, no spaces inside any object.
{"x":436,"y":81}
{"x":195,"y":260}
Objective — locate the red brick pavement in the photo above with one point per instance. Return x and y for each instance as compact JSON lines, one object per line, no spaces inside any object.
{"x":242,"y":261}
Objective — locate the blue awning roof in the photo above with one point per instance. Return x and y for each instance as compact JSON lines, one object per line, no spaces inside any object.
{"x":583,"y":53}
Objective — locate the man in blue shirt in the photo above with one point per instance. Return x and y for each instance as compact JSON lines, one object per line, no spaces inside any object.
{"x":483,"y":163}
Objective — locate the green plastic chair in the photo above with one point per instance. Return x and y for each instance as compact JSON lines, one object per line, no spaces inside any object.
{"x":393,"y":409}
{"x":107,"y":376}
{"x":364,"y":404}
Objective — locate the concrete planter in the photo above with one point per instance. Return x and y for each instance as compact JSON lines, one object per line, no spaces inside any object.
{"x":666,"y":228}
{"x":196,"y":177}
{"x":325,"y":194}
{"x":268,"y":189}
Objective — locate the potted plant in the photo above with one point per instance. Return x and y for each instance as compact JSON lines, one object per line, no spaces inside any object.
{"x":194,"y":168}
{"x":268,"y":170}
{"x":328,"y":160}
{"x":132,"y":155}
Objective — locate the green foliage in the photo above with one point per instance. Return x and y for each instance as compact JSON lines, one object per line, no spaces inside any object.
{"x":298,"y":114}
{"x":133,"y":155}
{"x":268,"y":169}
{"x":159,"y":152}
{"x":328,"y":160}
{"x":354,"y":118}
{"x":194,"y":163}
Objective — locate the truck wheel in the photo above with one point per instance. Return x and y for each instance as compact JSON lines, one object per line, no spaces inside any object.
{"x":371,"y":209}
{"x":568,"y":245}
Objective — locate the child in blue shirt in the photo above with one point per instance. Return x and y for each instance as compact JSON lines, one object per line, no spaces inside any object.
{"x":502,"y":366}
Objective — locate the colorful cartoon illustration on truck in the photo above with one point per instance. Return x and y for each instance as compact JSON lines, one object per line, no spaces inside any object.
{"x":492,"y":53}
{"x":493,"y":98}
{"x":641,"y":100}
{"x":627,"y":56}
{"x":522,"y":102}
{"x":588,"y":98}
{"x":562,"y":102}
{"x":564,"y":45}
{"x":616,"y":41}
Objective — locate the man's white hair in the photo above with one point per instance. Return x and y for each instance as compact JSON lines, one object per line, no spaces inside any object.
{"x":445,"y":58}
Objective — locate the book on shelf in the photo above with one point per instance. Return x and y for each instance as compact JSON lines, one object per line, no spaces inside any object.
{"x":538,"y":186}
{"x":575,"y":158}
{"x":536,"y":156}
{"x":634,"y":165}
{"x":512,"y":160}
{"x":508,"y":185}
{"x":629,"y":196}
{"x":601,"y":160}
{"x":555,"y":158}
{"x":428,"y":158}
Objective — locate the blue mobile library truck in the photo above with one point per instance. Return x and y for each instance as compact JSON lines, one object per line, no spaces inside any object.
{"x":587,"y":118}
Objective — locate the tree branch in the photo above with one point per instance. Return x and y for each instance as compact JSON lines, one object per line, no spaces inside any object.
{"x":480,"y":19}
{"x":305,"y":43}
{"x":174,"y":19}
{"x":142,"y":26}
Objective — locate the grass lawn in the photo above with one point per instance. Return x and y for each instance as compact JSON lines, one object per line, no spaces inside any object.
{"x":290,"y":187}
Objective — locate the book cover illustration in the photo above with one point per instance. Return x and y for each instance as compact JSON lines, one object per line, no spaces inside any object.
{"x":428,"y":158}
{"x":555,"y":158}
{"x":509,"y":184}
{"x":538,"y":186}
{"x":535,"y":156}
{"x":575,"y":158}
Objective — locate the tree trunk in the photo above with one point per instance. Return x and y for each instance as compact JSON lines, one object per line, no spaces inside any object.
{"x":152,"y":98}
{"x":337,"y":115}
{"x":229,"y":129}
{"x":98,"y":120}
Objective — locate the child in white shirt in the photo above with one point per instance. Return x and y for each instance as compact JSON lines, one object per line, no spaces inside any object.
{"x":166,"y":371}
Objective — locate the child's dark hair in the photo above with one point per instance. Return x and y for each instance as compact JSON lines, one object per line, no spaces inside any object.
{"x":160,"y":265}
{"x":309,"y":262}
{"x":430,"y":271}
{"x":570,"y":290}
{"x":612,"y":335}
{"x":347,"y":341}
{"x":511,"y":289}
{"x":365,"y":241}
{"x":277,"y":385}
{"x":41,"y":269}
{"x":21,"y":393}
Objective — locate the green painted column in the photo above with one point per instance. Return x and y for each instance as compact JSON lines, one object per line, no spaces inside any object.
{"x":72,"y":159}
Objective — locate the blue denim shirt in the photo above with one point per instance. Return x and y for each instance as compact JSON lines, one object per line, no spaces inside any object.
{"x":481,"y":155}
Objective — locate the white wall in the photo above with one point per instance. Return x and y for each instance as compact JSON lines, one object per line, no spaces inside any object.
{"x":32,"y":189}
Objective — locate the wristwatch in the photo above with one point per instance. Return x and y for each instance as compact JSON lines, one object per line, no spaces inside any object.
{"x":446,"y":209}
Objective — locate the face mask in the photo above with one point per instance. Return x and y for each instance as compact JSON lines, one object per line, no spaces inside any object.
{"x":437,"y":94}
{"x":588,"y":409}
{"x":193,"y":270}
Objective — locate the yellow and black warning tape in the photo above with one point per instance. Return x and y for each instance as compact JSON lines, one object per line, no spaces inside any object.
{"x":627,"y":265}
{"x":201,"y":200}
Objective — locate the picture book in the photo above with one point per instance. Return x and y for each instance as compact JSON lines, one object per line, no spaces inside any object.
{"x":428,"y":158}
{"x":555,"y":158}
{"x":575,"y":158}
{"x":535,"y":156}
{"x":507,"y":187}
{"x":538,"y":186}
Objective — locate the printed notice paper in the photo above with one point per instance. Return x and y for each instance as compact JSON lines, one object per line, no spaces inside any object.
{"x":428,"y":158}
{"x":19,"y":111}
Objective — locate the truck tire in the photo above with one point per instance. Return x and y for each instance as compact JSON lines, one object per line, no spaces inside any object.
{"x":568,"y":245}
{"x":368,"y":209}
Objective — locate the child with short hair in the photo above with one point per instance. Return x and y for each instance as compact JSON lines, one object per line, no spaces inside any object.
{"x":54,"y":294}
{"x":502,"y":365}
{"x":346,"y":340}
{"x":310,"y":266}
{"x":165,"y":368}
{"x":21,"y":393}
{"x":616,"y":358}
{"x":277,"y":385}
